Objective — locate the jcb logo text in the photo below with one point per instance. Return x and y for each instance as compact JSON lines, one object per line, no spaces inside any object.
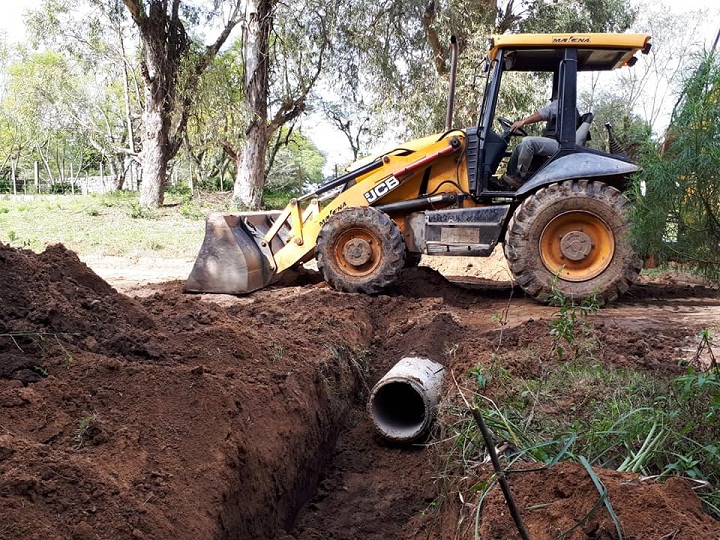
{"x":381,"y":189}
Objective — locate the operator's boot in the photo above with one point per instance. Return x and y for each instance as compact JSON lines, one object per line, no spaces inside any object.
{"x":513,"y":180}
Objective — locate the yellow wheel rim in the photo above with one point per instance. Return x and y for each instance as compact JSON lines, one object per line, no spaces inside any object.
{"x":357,"y":252}
{"x":577,"y":246}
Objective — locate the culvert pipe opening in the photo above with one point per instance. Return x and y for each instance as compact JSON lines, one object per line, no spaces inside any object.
{"x":403,"y":403}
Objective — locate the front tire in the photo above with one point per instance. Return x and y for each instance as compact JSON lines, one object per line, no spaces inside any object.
{"x":360,"y":249}
{"x":572,"y":236}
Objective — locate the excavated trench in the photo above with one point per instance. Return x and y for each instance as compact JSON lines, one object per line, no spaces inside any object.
{"x":340,"y":478}
{"x":286,"y":476}
{"x":330,"y":473}
{"x":240,"y":417}
{"x":355,"y":483}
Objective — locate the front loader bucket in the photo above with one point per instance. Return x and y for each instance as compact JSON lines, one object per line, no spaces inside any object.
{"x":234,"y":258}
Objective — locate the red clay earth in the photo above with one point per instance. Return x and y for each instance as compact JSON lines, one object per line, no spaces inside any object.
{"x":174,"y":416}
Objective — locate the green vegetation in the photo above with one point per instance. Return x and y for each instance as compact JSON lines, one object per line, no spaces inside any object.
{"x":639,"y":422}
{"x":40,"y":370}
{"x":111,"y":224}
{"x":569,"y":327}
{"x":74,"y":103}
{"x":86,"y":427}
{"x":677,"y":209}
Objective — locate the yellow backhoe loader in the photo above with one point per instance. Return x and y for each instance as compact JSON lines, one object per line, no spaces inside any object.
{"x":564,"y":227}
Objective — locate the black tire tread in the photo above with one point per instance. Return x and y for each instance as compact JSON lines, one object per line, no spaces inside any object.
{"x":524,"y":261}
{"x":393,"y":248}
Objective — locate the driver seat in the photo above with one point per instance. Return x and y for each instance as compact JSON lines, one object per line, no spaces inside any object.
{"x":582,"y":136}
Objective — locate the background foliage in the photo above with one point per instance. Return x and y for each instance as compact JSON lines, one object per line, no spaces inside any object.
{"x":677,"y":210}
{"x":71,"y":98}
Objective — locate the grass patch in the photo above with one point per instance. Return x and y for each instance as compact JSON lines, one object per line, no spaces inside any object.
{"x":109,"y":224}
{"x":614,"y":417}
{"x":636,"y":423}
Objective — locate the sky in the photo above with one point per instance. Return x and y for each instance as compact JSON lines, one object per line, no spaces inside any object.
{"x":326,"y":137}
{"x":11,"y":21}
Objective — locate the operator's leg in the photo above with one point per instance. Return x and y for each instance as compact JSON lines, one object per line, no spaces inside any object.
{"x":512,"y":165}
{"x":534,"y":146}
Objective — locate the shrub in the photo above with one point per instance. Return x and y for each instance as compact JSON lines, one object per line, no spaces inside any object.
{"x":677,"y":210}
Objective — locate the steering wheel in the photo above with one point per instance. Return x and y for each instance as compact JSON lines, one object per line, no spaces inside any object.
{"x":507,"y":124}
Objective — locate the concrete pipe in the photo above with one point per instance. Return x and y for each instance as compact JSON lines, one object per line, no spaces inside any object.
{"x":404,"y":402}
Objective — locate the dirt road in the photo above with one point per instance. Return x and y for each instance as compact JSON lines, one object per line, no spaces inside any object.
{"x":148,"y":413}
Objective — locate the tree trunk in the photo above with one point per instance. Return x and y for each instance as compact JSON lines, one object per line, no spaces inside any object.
{"x":155,"y":152}
{"x":126,"y":94}
{"x":250,"y":179}
{"x":160,"y":83}
{"x":14,"y":178}
{"x":165,"y":44}
{"x":46,"y":163}
{"x":117,"y":171}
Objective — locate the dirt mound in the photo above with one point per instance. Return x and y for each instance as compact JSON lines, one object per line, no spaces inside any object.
{"x":52,"y":299}
{"x":563,"y":502}
{"x":220,"y":433}
{"x":174,"y":416}
{"x":555,"y":500}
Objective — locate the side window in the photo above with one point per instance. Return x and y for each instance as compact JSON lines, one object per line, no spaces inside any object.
{"x":522,"y":93}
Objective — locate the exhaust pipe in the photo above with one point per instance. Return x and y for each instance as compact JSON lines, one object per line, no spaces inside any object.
{"x":403,"y":403}
{"x":453,"y":74}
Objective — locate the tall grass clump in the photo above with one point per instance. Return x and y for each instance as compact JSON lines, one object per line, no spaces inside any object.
{"x":612,"y":417}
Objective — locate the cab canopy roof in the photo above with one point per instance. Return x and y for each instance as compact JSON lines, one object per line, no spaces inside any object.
{"x":542,"y":52}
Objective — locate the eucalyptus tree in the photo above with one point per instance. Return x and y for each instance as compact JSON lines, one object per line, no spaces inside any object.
{"x":284,"y":46}
{"x":218,"y":126}
{"x":8,"y":129}
{"x":353,"y":121}
{"x":37,"y":90}
{"x":97,"y":49}
{"x":397,"y":52}
{"x":171,"y":65}
{"x":218,"y":118}
{"x":577,"y":16}
{"x":297,"y":164}
{"x":637,"y":101}
{"x":650,"y":87}
{"x":44,"y":108}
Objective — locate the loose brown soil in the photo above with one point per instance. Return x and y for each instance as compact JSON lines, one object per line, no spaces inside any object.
{"x":160,"y":415}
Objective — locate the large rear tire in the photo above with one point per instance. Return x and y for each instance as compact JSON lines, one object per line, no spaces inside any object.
{"x":572,"y":236}
{"x":360,"y":249}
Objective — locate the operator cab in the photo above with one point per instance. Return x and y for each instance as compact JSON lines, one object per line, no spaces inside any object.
{"x":558,"y":57}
